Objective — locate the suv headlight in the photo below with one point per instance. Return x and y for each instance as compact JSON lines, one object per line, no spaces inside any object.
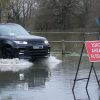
{"x":21,"y":42}
{"x":46,"y":42}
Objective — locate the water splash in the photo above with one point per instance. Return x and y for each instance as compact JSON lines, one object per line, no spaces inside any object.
{"x":53,"y":59}
{"x":52,"y":62}
{"x":14,"y":64}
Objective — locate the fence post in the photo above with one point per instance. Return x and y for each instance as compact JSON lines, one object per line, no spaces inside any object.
{"x":63,"y":47}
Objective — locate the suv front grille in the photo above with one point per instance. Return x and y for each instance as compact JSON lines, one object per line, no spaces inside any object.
{"x":38,"y":52}
{"x":35,"y":41}
{"x":32,"y":52}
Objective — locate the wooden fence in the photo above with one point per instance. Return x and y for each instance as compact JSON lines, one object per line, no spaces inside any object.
{"x":63,"y":45}
{"x":63,"y":42}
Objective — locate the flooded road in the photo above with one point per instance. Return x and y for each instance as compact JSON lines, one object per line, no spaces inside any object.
{"x":50,"y":79}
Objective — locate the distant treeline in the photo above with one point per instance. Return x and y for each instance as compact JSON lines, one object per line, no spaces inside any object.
{"x":46,"y":15}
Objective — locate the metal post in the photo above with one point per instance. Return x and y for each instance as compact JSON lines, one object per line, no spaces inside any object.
{"x":96,"y":76}
{"x":89,"y":75}
{"x":98,"y":37}
{"x":79,"y":63}
{"x":88,"y":78}
{"x":63,"y":47}
{"x":88,"y":94}
{"x":78,"y":66}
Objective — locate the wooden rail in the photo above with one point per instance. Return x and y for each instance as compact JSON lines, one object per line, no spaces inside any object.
{"x":63,"y":43}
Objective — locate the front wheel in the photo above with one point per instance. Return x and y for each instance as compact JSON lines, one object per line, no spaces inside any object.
{"x":7,"y":52}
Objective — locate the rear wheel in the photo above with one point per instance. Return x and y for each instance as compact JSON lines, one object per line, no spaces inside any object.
{"x":7,"y":52}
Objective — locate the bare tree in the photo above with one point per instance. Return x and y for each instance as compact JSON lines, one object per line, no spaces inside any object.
{"x":4,"y":7}
{"x":55,"y":14}
{"x":46,"y":14}
{"x":21,"y":11}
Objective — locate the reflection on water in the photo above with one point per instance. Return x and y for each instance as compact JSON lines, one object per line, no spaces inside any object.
{"x":14,"y":79}
{"x":50,"y":79}
{"x":12,"y":86}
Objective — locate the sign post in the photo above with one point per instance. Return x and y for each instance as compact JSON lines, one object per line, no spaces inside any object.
{"x":93,"y":51}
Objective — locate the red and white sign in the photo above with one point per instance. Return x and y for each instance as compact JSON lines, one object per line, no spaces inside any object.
{"x":93,"y":50}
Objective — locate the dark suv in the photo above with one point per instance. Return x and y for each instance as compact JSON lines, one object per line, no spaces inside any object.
{"x":16,"y":42}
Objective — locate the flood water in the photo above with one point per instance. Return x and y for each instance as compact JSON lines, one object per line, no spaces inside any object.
{"x":48,"y":79}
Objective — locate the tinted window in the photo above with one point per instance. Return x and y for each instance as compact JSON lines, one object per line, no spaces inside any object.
{"x":12,"y":30}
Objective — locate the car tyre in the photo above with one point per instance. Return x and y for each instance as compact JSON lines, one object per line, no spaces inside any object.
{"x":7,"y":53}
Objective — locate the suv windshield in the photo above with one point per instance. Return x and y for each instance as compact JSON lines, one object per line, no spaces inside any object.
{"x":12,"y":30}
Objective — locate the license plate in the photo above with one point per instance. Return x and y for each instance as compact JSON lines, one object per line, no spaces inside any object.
{"x":38,"y":47}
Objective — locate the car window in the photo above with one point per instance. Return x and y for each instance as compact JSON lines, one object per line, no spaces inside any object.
{"x":4,"y":31}
{"x":12,"y":30}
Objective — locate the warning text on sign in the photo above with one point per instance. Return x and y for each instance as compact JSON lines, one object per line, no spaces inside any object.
{"x":93,"y":50}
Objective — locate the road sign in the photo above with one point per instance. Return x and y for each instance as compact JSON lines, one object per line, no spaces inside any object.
{"x":93,"y":50}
